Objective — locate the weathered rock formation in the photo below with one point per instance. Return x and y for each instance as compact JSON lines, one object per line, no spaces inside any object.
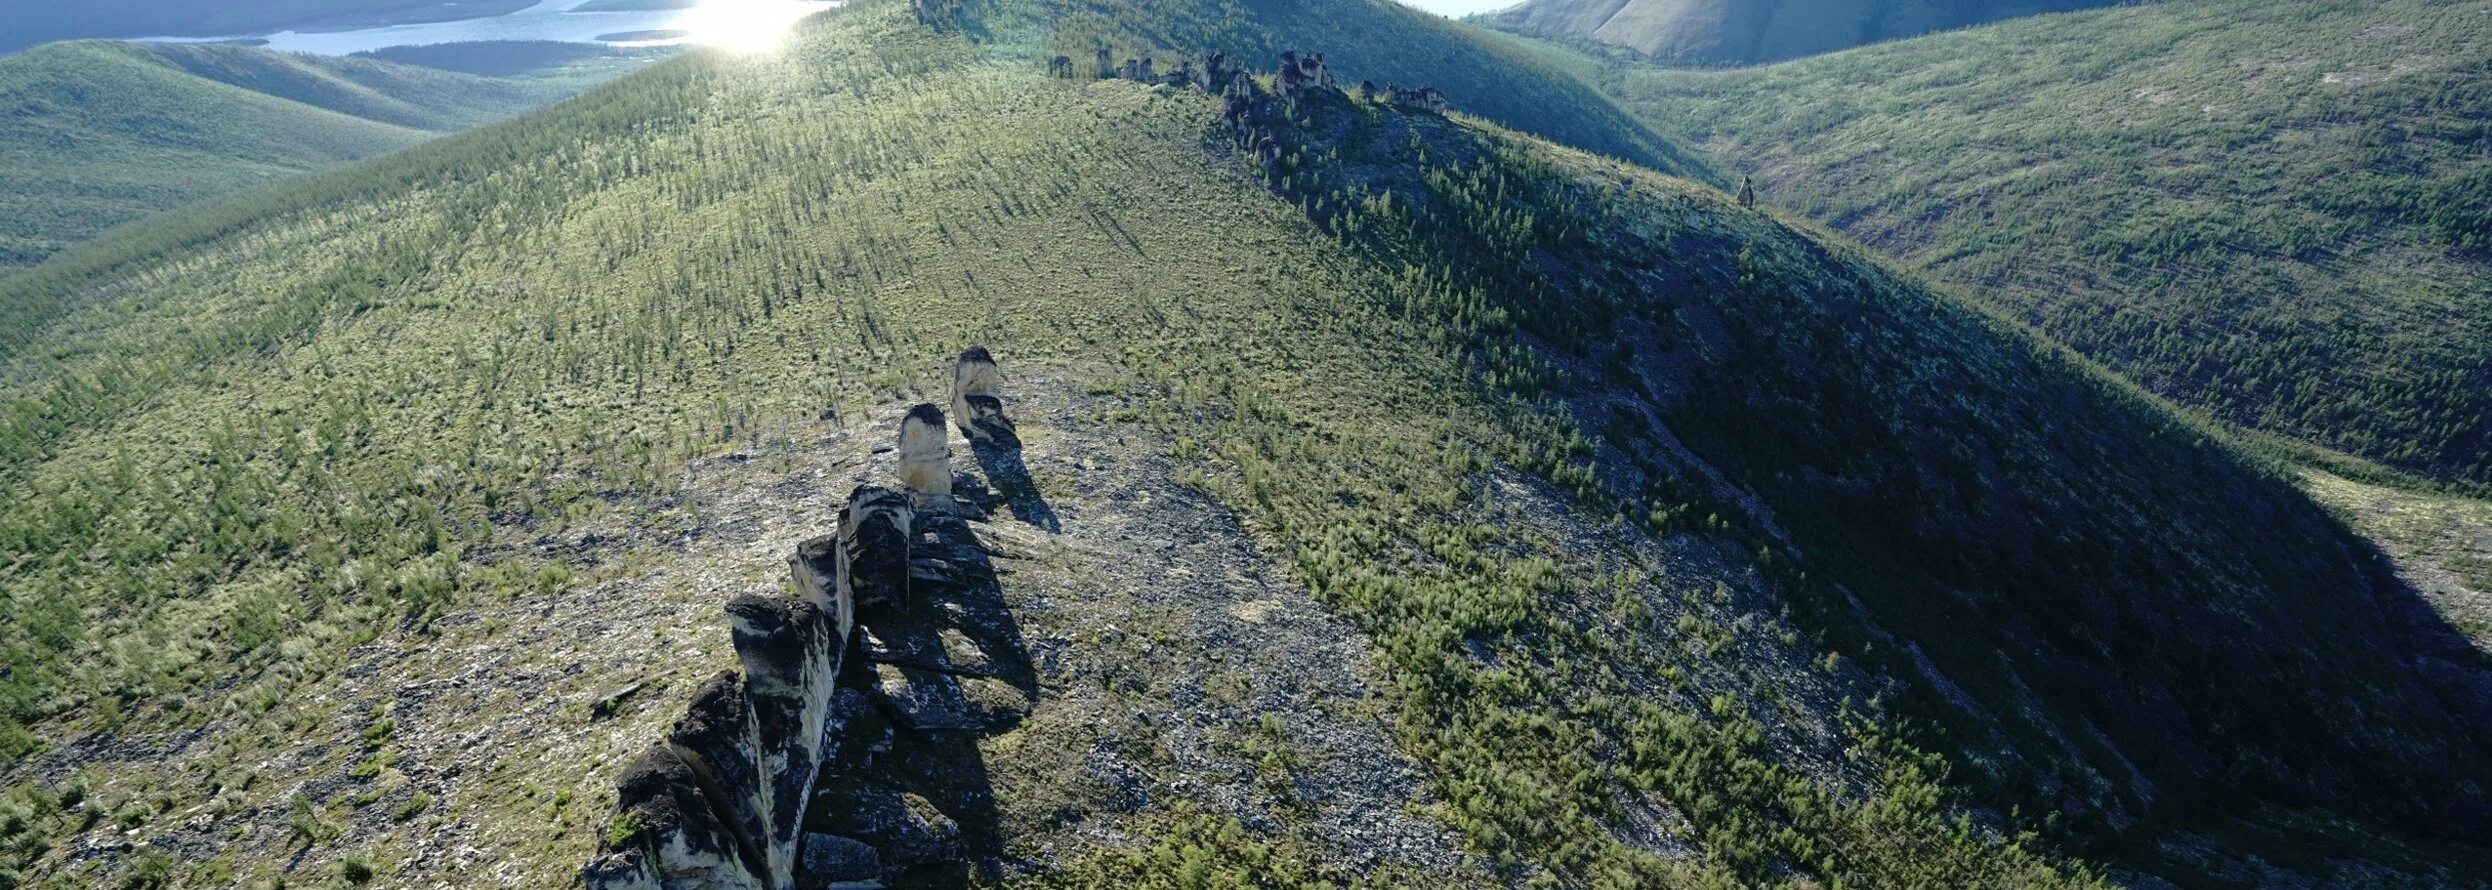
{"x":721,"y":803}
{"x":871,"y":549}
{"x":926,"y":459}
{"x":977,"y":400}
{"x":1427,"y":99}
{"x":844,"y":751}
{"x":1106,"y":64}
{"x":1060,"y":66}
{"x":1181,"y":76}
{"x":1301,"y":76}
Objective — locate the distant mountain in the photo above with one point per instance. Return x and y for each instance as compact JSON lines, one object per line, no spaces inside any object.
{"x":1736,"y":32}
{"x":98,"y":133}
{"x":2277,"y":211}
{"x":28,"y":24}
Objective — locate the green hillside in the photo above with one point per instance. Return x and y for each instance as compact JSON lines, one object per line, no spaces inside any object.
{"x":102,"y":133}
{"x":1738,"y":32}
{"x":1690,"y":546}
{"x":2278,"y":213}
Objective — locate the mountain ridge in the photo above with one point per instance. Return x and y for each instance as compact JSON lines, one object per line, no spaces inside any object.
{"x":1645,"y":510}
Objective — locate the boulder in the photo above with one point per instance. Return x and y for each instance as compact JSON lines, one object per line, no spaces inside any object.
{"x":833,"y":859}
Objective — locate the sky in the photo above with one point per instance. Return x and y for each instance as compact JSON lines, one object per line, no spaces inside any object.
{"x":1459,"y":8}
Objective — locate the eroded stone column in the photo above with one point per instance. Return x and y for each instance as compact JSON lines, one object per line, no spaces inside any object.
{"x":790,"y":663}
{"x":926,"y":459}
{"x":872,"y":565}
{"x":977,"y":400}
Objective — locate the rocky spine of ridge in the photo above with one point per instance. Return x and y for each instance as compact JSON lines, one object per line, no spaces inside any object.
{"x":823,"y":761}
{"x":1299,"y":76}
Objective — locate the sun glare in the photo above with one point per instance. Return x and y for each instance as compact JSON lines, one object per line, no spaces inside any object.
{"x":745,"y":26}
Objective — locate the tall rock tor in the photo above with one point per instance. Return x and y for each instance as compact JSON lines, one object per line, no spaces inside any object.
{"x":926,"y":459}
{"x":787,"y":649}
{"x":871,"y":558}
{"x":977,"y":400}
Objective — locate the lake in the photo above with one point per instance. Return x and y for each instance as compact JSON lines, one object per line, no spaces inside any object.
{"x":737,"y":24}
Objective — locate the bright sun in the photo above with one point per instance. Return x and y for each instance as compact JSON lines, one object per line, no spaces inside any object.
{"x":748,"y":26}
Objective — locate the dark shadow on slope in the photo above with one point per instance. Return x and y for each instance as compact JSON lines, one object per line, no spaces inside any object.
{"x":1001,"y":462}
{"x":2137,"y":627}
{"x":927,"y":681}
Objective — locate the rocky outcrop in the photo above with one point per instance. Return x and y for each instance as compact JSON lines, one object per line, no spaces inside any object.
{"x":1426,"y":99}
{"x":871,"y":560}
{"x":1105,"y":64}
{"x":843,"y":751}
{"x":1300,"y":76}
{"x":1060,"y":66}
{"x":926,"y":459}
{"x":977,"y":400}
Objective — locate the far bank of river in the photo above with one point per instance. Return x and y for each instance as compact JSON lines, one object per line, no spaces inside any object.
{"x":613,"y":22}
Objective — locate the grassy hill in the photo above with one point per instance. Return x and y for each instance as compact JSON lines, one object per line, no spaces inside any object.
{"x":1683,"y":545}
{"x":1718,"y":32}
{"x":2273,"y":212}
{"x":102,"y":133}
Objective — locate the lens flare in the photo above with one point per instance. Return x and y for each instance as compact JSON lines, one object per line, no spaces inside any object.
{"x":745,"y":26}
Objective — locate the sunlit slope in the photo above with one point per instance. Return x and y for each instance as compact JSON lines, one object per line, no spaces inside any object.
{"x":1600,"y":462}
{"x":1735,"y":32}
{"x":1378,"y":40}
{"x":372,"y":89}
{"x":2276,"y":212}
{"x":102,"y":133}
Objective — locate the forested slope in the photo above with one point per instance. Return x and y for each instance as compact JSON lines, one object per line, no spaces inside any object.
{"x":373,"y":526}
{"x":102,"y":133}
{"x":2278,"y":213}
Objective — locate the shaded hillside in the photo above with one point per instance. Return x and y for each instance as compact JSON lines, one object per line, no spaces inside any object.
{"x":1427,"y":505}
{"x":2274,"y":212}
{"x":45,"y":22}
{"x":103,"y":133}
{"x":1741,"y":32}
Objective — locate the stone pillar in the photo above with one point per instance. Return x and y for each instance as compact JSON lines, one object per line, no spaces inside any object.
{"x":719,"y":744}
{"x":926,"y":459}
{"x":872,"y":561}
{"x":790,"y":662}
{"x":977,"y":400}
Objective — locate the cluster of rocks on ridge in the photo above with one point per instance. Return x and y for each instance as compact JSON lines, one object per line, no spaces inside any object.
{"x":1297,"y":76}
{"x":843,"y":753}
